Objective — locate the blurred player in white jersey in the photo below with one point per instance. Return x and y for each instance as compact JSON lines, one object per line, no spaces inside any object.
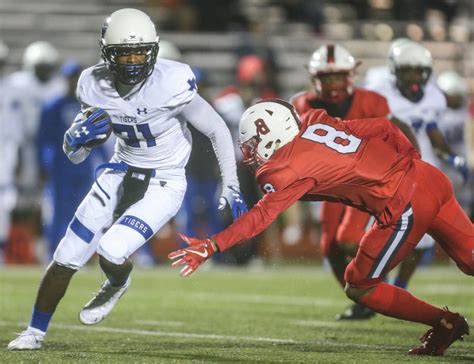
{"x":420,"y":104}
{"x":453,"y":124}
{"x":9,"y":143}
{"x":148,"y":102}
{"x":29,"y":89}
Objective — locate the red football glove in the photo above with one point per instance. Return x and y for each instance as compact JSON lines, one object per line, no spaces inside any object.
{"x":192,"y":257}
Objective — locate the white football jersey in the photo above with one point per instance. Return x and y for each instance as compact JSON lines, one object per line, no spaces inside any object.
{"x":419,"y":115}
{"x":147,"y":123}
{"x":21,"y":112}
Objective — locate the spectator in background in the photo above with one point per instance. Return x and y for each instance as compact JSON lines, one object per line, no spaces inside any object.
{"x":9,"y":142}
{"x":253,"y":84}
{"x":453,"y":125}
{"x":28,"y":90}
{"x":66,"y":184}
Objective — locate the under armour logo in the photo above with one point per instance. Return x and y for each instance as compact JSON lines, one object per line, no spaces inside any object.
{"x":192,"y":84}
{"x":83,"y":130}
{"x":237,"y":197}
{"x":143,"y":110}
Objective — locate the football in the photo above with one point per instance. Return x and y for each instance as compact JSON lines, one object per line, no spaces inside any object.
{"x":94,"y":143}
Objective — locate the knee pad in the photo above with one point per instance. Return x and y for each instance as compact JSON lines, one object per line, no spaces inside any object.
{"x":357,"y":279}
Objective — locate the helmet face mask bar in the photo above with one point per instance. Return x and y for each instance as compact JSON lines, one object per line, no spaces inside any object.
{"x":130,"y":73}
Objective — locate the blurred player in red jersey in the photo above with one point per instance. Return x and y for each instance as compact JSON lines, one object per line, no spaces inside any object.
{"x":368,"y":164}
{"x":331,"y":68}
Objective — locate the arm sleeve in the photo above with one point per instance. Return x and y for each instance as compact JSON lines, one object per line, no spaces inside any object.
{"x":262,"y":214}
{"x":205,"y":119}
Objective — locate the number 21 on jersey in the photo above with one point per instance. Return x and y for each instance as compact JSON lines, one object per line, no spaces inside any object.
{"x":332,"y":138}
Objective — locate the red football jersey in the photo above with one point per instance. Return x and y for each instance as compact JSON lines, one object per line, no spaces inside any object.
{"x":365,"y":104}
{"x":364,"y":163}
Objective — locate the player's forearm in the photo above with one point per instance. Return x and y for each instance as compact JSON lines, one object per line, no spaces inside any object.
{"x":405,"y":129}
{"x":261,"y":215}
{"x":205,"y":119}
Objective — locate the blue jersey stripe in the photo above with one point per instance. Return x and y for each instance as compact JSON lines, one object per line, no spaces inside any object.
{"x":81,"y":231}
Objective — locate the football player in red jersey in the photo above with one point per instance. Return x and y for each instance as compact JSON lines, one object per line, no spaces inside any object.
{"x":331,"y":68}
{"x":368,"y":164}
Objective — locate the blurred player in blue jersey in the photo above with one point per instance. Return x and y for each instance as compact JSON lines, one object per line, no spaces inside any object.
{"x":147,"y":101}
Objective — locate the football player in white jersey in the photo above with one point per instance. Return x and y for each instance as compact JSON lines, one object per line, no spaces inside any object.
{"x":148,"y":102}
{"x":37,"y":83}
{"x":453,"y":124}
{"x":420,"y":104}
{"x":9,"y":143}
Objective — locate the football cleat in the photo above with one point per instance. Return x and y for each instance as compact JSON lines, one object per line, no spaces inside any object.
{"x":451,"y":327}
{"x":102,"y":304}
{"x":30,"y":339}
{"x":356,"y":312}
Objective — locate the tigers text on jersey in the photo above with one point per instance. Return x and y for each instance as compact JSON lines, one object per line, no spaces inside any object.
{"x":150,"y":132}
{"x":421,"y":115}
{"x":365,"y":163}
{"x":365,"y":104}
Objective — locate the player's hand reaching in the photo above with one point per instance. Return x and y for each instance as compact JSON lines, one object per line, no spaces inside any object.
{"x":193,"y":256}
{"x":232,"y":197}
{"x":95,"y":127}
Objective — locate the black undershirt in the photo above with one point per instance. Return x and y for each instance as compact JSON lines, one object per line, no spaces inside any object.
{"x":338,"y":110}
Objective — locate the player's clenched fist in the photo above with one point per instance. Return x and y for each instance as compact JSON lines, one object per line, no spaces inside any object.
{"x":192,"y":257}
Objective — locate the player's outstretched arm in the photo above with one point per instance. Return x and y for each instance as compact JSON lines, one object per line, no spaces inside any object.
{"x":205,"y":119}
{"x":249,"y":225}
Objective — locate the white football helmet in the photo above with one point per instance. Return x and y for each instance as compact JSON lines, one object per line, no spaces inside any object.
{"x":42,"y":59}
{"x":266,"y":127}
{"x":396,"y":43}
{"x":411,"y":54}
{"x":452,"y":84}
{"x":40,"y":52}
{"x":412,"y":65}
{"x":129,"y":31}
{"x":331,"y":58}
{"x":169,"y":51}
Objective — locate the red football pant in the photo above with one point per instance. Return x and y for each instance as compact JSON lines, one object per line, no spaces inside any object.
{"x":433,"y":209}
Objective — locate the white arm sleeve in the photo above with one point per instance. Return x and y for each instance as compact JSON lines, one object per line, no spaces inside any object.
{"x":205,"y":119}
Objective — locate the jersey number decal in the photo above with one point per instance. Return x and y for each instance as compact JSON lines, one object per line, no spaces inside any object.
{"x":332,"y":138}
{"x":131,"y":131}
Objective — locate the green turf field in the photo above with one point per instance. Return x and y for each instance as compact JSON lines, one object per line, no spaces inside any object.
{"x":266,"y":315}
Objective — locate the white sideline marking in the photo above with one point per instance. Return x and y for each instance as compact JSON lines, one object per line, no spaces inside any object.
{"x":270,"y":299}
{"x":225,"y":337}
{"x":316,"y":323}
{"x":159,"y":323}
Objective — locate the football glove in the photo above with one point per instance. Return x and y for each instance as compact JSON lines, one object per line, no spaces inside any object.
{"x":232,"y":197}
{"x":95,"y":127}
{"x":461,"y":166}
{"x":193,"y":256}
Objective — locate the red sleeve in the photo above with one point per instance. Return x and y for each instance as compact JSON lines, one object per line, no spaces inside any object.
{"x":386,"y":130}
{"x":262,"y":214}
{"x":380,"y":106}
